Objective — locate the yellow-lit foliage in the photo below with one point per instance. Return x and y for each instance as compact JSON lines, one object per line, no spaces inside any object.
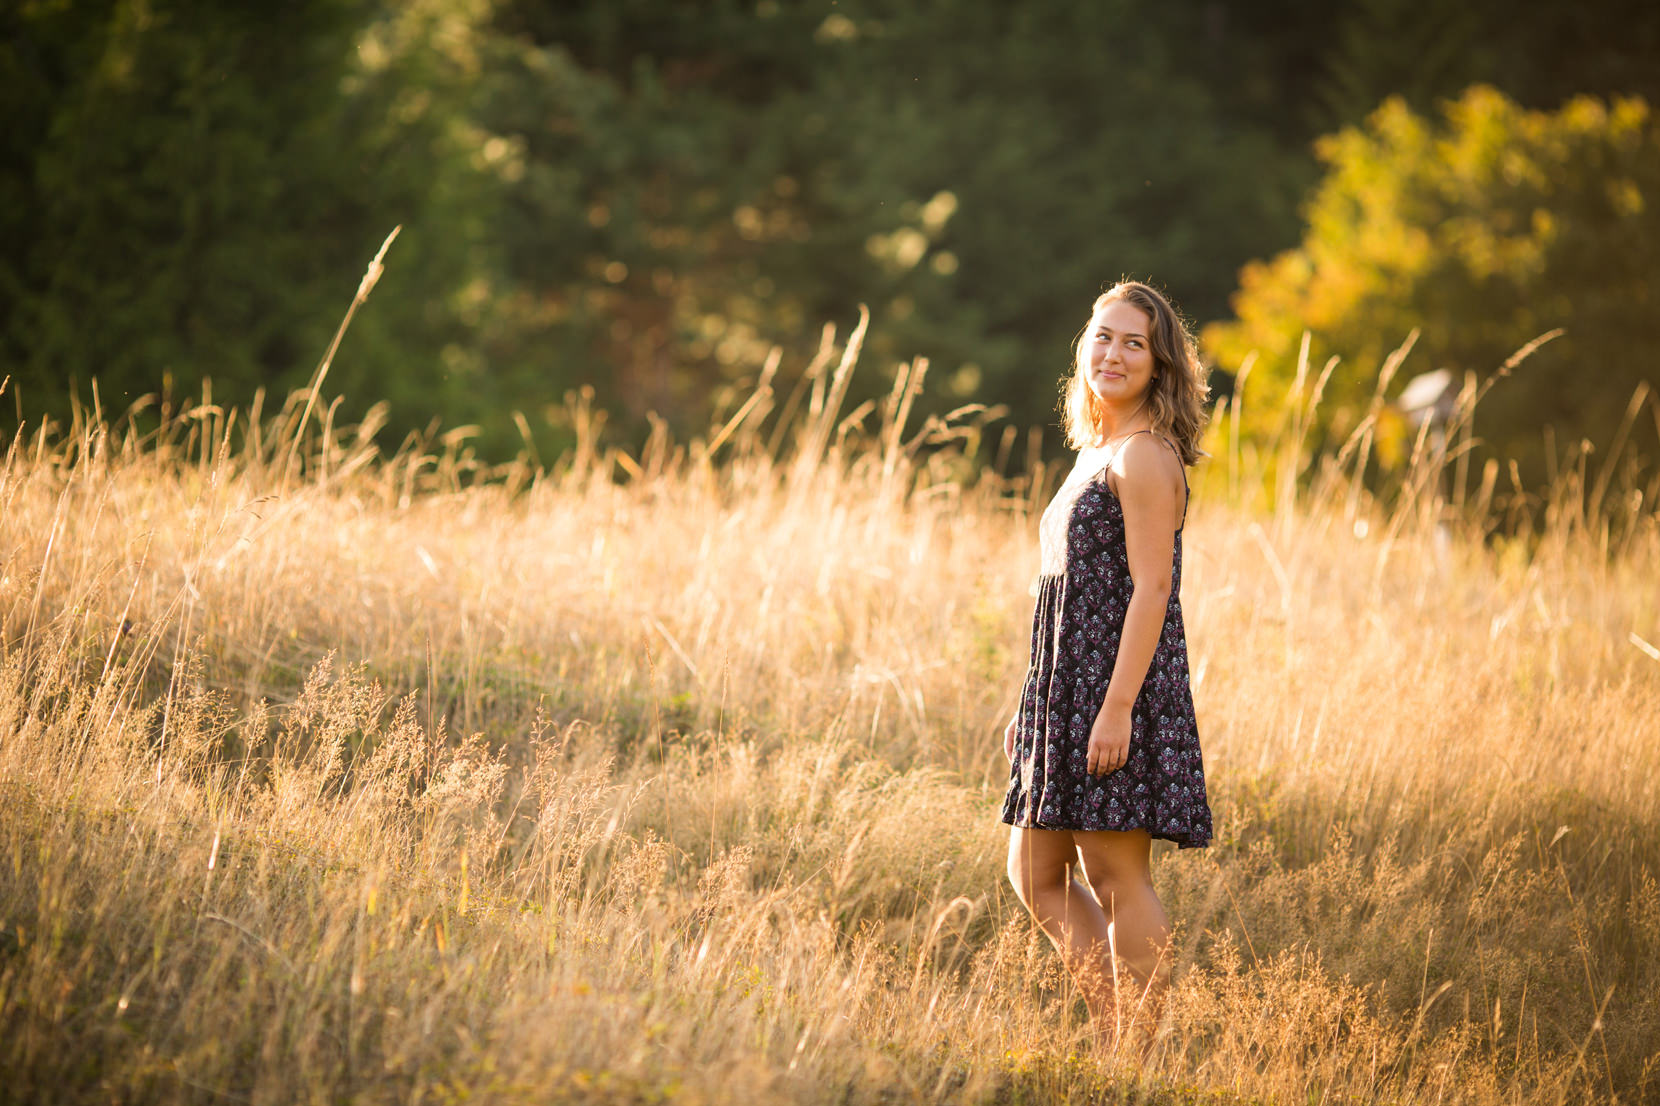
{"x":1482,"y":231}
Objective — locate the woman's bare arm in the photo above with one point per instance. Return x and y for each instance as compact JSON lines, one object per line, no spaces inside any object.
{"x":1146,"y":478}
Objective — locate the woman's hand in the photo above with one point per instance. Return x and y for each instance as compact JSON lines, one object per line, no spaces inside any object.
{"x":1109,"y":739}
{"x":1008,"y":738}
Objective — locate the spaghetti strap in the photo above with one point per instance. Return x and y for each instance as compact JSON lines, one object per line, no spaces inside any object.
{"x":1126,"y":441}
{"x":1187,"y":491}
{"x":1113,"y":456}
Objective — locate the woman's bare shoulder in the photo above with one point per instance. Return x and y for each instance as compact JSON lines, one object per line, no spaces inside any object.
{"x":1146,"y":475}
{"x":1147,"y":457}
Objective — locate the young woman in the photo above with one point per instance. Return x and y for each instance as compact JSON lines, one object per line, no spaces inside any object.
{"x":1104,"y":750}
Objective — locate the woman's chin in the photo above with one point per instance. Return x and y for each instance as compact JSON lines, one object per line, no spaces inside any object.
{"x":1116,"y":396}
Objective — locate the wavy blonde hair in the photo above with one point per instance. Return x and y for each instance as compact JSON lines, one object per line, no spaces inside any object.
{"x":1178,"y":391}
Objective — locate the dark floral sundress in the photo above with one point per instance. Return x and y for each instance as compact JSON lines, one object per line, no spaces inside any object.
{"x":1083,"y":592}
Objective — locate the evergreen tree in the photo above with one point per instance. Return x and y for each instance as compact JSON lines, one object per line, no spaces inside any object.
{"x":196,"y":188}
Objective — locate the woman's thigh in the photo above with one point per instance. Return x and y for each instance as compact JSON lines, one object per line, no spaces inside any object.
{"x":1040,"y":857}
{"x":1115,"y":858}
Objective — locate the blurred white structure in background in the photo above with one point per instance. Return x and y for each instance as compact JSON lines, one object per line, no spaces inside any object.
{"x":1431,"y":397}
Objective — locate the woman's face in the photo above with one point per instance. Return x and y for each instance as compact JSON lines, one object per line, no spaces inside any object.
{"x":1117,"y":354}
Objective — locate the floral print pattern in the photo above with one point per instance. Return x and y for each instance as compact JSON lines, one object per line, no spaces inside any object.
{"x":1075,"y":631}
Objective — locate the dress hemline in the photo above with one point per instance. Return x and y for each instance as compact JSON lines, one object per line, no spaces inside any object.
{"x":1157,"y":835}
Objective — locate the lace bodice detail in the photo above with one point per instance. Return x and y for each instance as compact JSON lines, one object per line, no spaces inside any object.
{"x":1052,"y":524}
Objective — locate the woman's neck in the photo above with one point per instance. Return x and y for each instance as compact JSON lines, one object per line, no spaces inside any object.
{"x":1116,"y":424}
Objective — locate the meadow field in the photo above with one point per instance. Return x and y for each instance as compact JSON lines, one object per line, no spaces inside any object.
{"x":671,"y":774}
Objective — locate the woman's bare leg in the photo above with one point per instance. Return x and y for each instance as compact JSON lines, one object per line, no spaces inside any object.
{"x":1117,"y":867}
{"x":1041,"y":864}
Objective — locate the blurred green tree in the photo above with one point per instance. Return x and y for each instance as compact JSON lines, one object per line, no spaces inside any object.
{"x":1301,"y":68}
{"x":725,"y":176}
{"x":191,"y":189}
{"x":1484,"y":229}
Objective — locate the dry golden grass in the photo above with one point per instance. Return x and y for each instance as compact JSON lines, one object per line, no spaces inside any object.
{"x":675,"y":777}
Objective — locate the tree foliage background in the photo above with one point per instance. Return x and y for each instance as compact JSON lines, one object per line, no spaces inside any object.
{"x":645,"y":195}
{"x":1486,"y":230}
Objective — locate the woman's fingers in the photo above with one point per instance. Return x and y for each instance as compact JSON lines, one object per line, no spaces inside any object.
{"x":1103,"y":761}
{"x":1109,"y":741}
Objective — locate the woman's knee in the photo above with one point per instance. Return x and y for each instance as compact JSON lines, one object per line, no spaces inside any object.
{"x":1035,"y":867}
{"x":1112,"y":885}
{"x":1117,"y":861}
{"x":1022,"y":877}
